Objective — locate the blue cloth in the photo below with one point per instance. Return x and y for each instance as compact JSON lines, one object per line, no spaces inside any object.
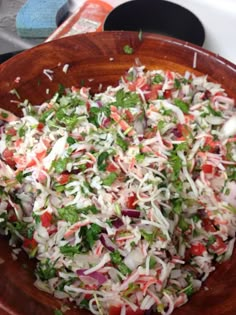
{"x":37,"y":18}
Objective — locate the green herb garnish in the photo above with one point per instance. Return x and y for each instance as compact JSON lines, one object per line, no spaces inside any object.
{"x":128,"y":50}
{"x":109,"y":180}
{"x":45,"y":270}
{"x":182,"y":105}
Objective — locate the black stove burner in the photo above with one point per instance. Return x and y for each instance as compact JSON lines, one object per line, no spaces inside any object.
{"x":62,"y":14}
{"x":6,"y":56}
{"x":156,"y":16}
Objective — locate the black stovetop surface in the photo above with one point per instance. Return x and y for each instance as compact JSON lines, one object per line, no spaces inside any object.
{"x":6,"y":56}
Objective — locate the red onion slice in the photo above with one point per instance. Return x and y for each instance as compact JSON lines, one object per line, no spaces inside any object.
{"x":93,"y":278}
{"x":117,"y":222}
{"x":106,"y":242}
{"x":132,"y":213}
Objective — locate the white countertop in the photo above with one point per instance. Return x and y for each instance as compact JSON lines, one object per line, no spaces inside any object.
{"x":219,"y":20}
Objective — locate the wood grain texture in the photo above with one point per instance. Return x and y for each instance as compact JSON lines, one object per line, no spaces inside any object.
{"x":99,"y":58}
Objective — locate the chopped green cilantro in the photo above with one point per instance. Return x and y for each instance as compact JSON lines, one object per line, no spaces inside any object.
{"x":211,"y":240}
{"x":3,"y":114}
{"x":95,"y":112}
{"x":126,"y":99}
{"x":102,"y":161}
{"x":158,"y":78}
{"x":109,"y":180}
{"x":152,"y":262}
{"x":213,"y":111}
{"x":69,"y":250}
{"x":161,"y":124}
{"x":58,"y":312}
{"x":117,"y":260}
{"x":176,"y":163}
{"x":21,"y":131}
{"x":188,"y":290}
{"x":69,"y":214}
{"x":89,"y":234}
{"x":60,"y":164}
{"x":45,"y":270}
{"x":21,"y":175}
{"x":139,"y":157}
{"x":177,"y":84}
{"x":128,"y":50}
{"x":45,"y":115}
{"x":195,"y":218}
{"x":122,"y":143}
{"x":61,"y":89}
{"x":71,"y":140}
{"x":84,"y":304}
{"x":36,"y":218}
{"x":183,"y":225}
{"x":182,"y":105}
{"x":177,"y":205}
{"x":149,"y":237}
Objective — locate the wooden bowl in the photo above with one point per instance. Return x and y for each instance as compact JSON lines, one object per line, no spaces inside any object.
{"x":97,"y":58}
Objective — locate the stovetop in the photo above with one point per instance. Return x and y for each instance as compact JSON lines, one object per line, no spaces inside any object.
{"x":217,"y":16}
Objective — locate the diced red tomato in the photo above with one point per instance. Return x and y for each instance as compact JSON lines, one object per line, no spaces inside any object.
{"x":131,"y":201}
{"x":41,"y":176}
{"x":153,"y":93}
{"x":111,"y":167}
{"x":218,"y":247}
{"x":214,"y":145}
{"x":208,"y":225}
{"x":40,"y":126}
{"x":188,"y":118}
{"x":20,"y":160}
{"x":139,"y":83}
{"x":46,"y":219}
{"x":129,"y":116}
{"x":41,"y":154}
{"x":115,"y":310}
{"x":167,"y":93}
{"x":18,"y":142}
{"x":63,"y":178}
{"x":88,"y":106}
{"x":169,"y":75}
{"x":11,"y":131}
{"x":30,"y":243}
{"x":197,"y":249}
{"x":207,"y":168}
{"x":31,"y":163}
{"x":150,"y":133}
{"x":183,"y":130}
{"x":8,"y":156}
{"x":89,"y":165}
{"x":12,"y":218}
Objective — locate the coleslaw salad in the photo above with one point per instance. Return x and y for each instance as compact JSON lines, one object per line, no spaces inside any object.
{"x":126,"y":198}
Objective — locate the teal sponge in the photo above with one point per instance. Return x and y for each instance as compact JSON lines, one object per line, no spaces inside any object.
{"x":37,"y":18}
